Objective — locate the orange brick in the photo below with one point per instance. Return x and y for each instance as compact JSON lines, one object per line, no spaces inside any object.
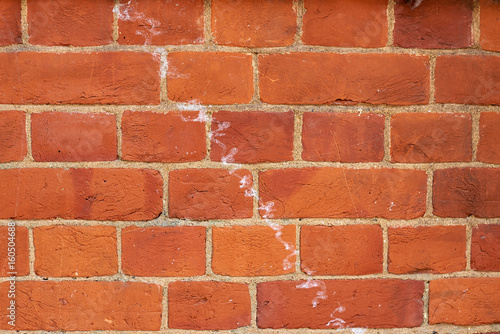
{"x":210,"y":77}
{"x":162,"y":137}
{"x":21,"y":259}
{"x":427,"y":249}
{"x":66,"y":22}
{"x":253,"y":250}
{"x":345,"y":23}
{"x":251,"y":136}
{"x":208,"y":305}
{"x":10,"y":22}
{"x":254,"y":23}
{"x":163,"y":251}
{"x":13,"y":145}
{"x":341,"y":250}
{"x":61,"y":136}
{"x":344,"y":137}
{"x":75,"y":251}
{"x":488,"y":148}
{"x":490,"y":24}
{"x":84,"y":306}
{"x":485,"y":248}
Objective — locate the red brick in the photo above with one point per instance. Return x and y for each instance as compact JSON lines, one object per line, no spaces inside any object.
{"x":468,"y":79}
{"x":254,"y":23}
{"x":84,"y":306}
{"x":485,"y":248}
{"x":433,"y":24}
{"x":355,"y":23}
{"x":464,"y":301}
{"x":73,"y":251}
{"x":341,"y":250}
{"x":95,"y":194}
{"x":163,"y":251}
{"x":431,"y":137}
{"x":10,"y":22}
{"x":490,"y":25}
{"x":463,"y":192}
{"x":12,"y":135}
{"x":327,"y":78}
{"x":61,"y":136}
{"x":208,"y":305}
{"x":340,"y":304}
{"x":160,"y":22}
{"x":210,"y":194}
{"x":162,"y":137}
{"x":252,"y":136}
{"x":253,"y":250}
{"x":338,"y":192}
{"x":344,"y":137}
{"x":66,"y":22}
{"x":210,"y":77}
{"x":427,"y":249}
{"x":21,"y":263}
{"x":79,"y":78}
{"x":488,"y":148}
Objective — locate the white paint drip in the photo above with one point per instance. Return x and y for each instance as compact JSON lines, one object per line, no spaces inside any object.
{"x":358,"y":330}
{"x":193,"y":105}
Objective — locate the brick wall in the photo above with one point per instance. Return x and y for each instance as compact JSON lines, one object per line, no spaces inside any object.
{"x":214,"y":165}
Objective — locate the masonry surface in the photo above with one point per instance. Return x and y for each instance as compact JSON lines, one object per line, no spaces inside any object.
{"x":285,"y":166}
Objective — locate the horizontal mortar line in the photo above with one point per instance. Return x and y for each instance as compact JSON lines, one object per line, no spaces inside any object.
{"x":205,"y":164}
{"x":295,"y":276}
{"x":189,"y":107}
{"x":299,"y":222}
{"x":239,"y":49}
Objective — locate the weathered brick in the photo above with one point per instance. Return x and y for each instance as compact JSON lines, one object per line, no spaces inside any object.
{"x":96,"y":194}
{"x":62,"y":136}
{"x":210,"y":194}
{"x":79,"y":78}
{"x":13,"y":146}
{"x":427,"y":249}
{"x":253,"y":250}
{"x":340,"y":304}
{"x":163,"y":251}
{"x":338,"y":192}
{"x":464,"y":301}
{"x":344,"y":137}
{"x":74,"y":251}
{"x":252,"y":136}
{"x":490,"y":24}
{"x":10,"y":22}
{"x":488,"y":147}
{"x":463,"y":192}
{"x":485,"y":248}
{"x":431,"y":137}
{"x":326,"y":78}
{"x":208,"y":305}
{"x":162,"y":137}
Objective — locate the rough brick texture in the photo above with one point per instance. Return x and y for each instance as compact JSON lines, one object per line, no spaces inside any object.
{"x":10,"y":22}
{"x":433,"y":24}
{"x":43,"y":78}
{"x":427,"y":249}
{"x":463,"y":192}
{"x":64,"y":22}
{"x":488,"y":147}
{"x":490,"y":25}
{"x":341,"y":250}
{"x":74,"y":251}
{"x":485,"y":248}
{"x":13,"y":145}
{"x":252,"y":137}
{"x":344,"y":137}
{"x":84,"y":305}
{"x":151,"y":136}
{"x":208,"y":305}
{"x":464,"y":301}
{"x":339,"y":304}
{"x":431,"y":137}
{"x":60,"y":136}
{"x":253,"y":23}
{"x":340,"y":192}
{"x":323,"y":78}
{"x":163,"y":251}
{"x":98,"y":194}
{"x":210,"y":194}
{"x":345,"y":23}
{"x":253,"y":250}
